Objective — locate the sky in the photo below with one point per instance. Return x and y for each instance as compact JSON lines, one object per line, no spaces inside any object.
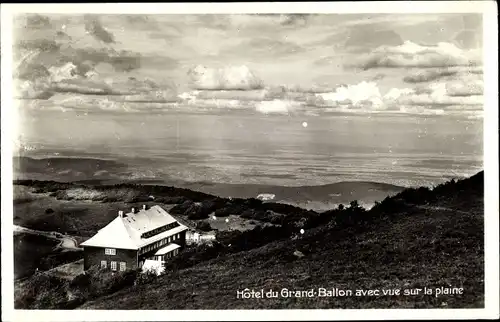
{"x":384,"y":63}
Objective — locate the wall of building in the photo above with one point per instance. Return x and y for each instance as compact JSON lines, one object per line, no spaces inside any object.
{"x":182,"y":240}
{"x":94,"y":255}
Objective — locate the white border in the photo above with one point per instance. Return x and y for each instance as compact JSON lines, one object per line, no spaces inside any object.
{"x":9,"y":121}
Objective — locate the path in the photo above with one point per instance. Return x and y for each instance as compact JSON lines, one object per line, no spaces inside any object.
{"x":66,"y":242}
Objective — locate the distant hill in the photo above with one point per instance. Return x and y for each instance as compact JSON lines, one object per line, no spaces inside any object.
{"x":109,"y":172}
{"x":419,"y":238}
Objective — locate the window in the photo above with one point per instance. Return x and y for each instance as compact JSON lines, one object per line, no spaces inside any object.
{"x":104,"y":264}
{"x":113,"y":266}
{"x":110,"y":251}
{"x":123,"y":266}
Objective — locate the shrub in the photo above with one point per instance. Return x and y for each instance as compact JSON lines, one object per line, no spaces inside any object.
{"x":49,"y":210}
{"x":204,"y":226}
{"x":182,"y":208}
{"x":252,"y":202}
{"x":81,"y":281}
{"x":195,"y":212}
{"x":230,"y":209}
{"x":171,"y":200}
{"x":280,"y":208}
{"x":41,"y":291}
{"x":145,"y":277}
{"x":103,"y":282}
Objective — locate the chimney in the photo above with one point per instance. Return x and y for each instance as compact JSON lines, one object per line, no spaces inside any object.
{"x":133,"y":210}
{"x":120,"y":213}
{"x":144,"y":207}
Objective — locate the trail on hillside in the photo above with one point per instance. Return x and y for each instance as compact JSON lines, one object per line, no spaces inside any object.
{"x":65,"y":242}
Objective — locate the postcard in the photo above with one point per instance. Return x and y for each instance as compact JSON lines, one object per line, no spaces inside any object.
{"x":260,"y":161}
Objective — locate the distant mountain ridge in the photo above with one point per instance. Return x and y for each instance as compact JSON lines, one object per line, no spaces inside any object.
{"x":105,"y":172}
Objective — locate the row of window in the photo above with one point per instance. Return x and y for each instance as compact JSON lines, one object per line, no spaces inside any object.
{"x":159,"y":243}
{"x":159,"y":230}
{"x":173,"y":253}
{"x":110,"y":251}
{"x":113,"y":264}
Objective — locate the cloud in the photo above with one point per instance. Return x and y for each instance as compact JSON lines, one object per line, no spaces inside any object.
{"x":413,"y":55}
{"x":303,"y":89}
{"x":442,"y":94}
{"x":366,"y":38}
{"x":68,"y":78}
{"x":38,"y":45}
{"x":160,"y":100}
{"x":156,"y":96}
{"x":227,"y":78}
{"x":294,"y":19}
{"x":354,"y":95}
{"x":299,"y":94}
{"x":31,"y":89}
{"x":366,"y":96}
{"x":468,"y":39}
{"x":241,"y":95}
{"x":122,"y":61}
{"x":32,"y":21}
{"x":267,"y":47}
{"x":269,"y":20}
{"x":277,"y":106}
{"x":465,"y":88}
{"x":83,"y":86}
{"x":31,"y":71}
{"x":427,"y":75}
{"x":94,"y":27}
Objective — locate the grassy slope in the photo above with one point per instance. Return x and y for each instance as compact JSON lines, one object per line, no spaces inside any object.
{"x":29,"y":251}
{"x":414,"y":240}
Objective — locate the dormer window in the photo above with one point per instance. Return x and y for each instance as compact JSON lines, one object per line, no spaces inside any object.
{"x":159,"y":230}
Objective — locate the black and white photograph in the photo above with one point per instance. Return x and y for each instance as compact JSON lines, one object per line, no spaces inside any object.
{"x":248,"y":160}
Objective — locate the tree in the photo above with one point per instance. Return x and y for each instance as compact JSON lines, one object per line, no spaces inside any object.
{"x":354,"y":204}
{"x":341,"y":207}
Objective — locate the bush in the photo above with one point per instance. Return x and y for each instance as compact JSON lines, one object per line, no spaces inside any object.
{"x":139,"y":199}
{"x":280,"y":208}
{"x":81,"y":281}
{"x":231,"y":209}
{"x":145,"y":278}
{"x":41,"y":291}
{"x":182,"y":208}
{"x":104,"y":282}
{"x":204,"y":226}
{"x":49,"y":210}
{"x":171,"y":200}
{"x":195,"y":212}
